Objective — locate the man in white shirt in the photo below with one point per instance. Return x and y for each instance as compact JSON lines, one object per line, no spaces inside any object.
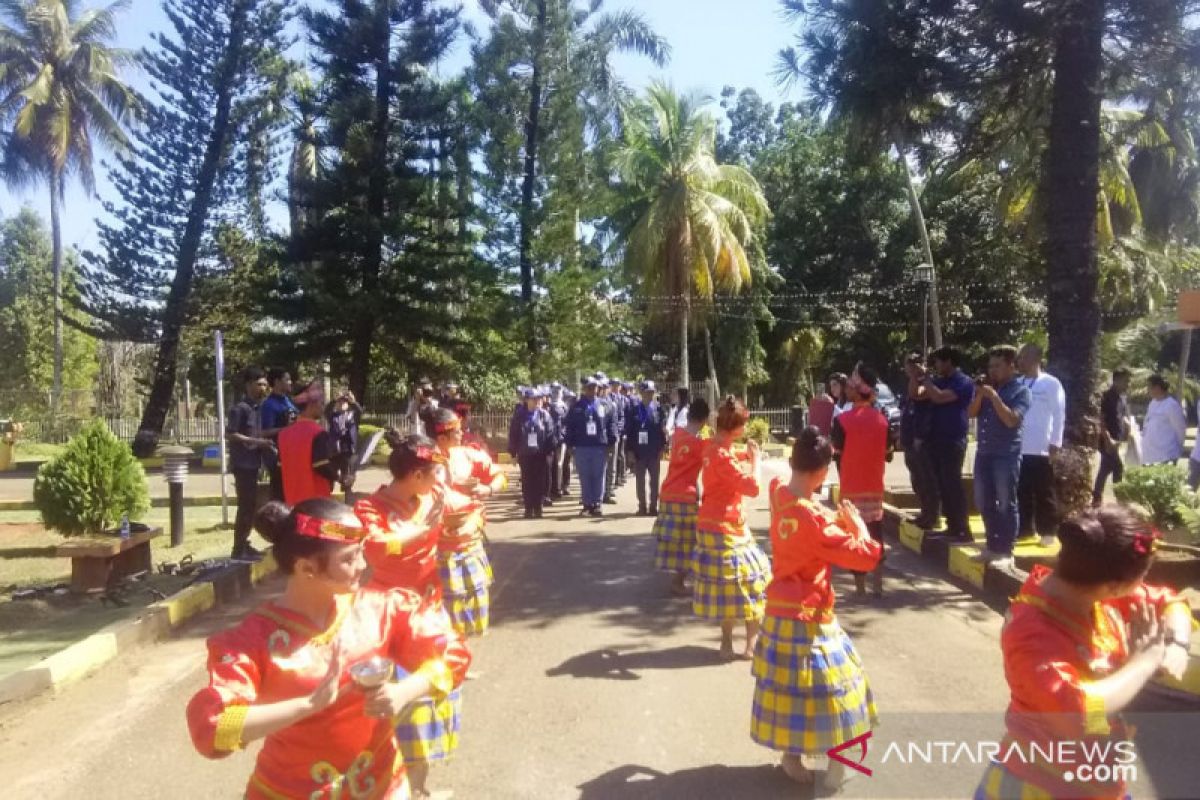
{"x":1041,"y":438}
{"x":1165,"y":425}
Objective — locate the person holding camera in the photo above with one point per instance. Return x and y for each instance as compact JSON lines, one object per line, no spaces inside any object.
{"x":916,"y":426}
{"x":949,"y":392}
{"x":1000,"y":405}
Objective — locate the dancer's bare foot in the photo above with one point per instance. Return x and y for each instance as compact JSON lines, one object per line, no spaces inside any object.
{"x":794,"y":768}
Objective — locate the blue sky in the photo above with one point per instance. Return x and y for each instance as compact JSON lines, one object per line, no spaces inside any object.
{"x":714,"y":43}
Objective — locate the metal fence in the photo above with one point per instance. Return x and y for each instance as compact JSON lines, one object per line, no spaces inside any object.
{"x":198,"y":430}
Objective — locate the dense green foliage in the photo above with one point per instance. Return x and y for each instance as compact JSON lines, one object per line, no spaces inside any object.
{"x":91,"y":484}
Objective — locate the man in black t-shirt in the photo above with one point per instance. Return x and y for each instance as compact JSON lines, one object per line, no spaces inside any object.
{"x":247,"y":448}
{"x":1114,"y":430}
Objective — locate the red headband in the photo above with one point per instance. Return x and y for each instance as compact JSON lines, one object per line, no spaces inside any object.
{"x":327,"y":531}
{"x":430,"y":454}
{"x":1146,"y":542}
{"x":449,"y":426}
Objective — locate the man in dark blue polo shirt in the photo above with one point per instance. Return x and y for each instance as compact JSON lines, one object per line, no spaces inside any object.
{"x":916,"y":424}
{"x":277,"y":411}
{"x":646,"y":434}
{"x":1000,"y":405}
{"x":950,"y":392}
{"x":247,"y":446}
{"x":588,"y":436}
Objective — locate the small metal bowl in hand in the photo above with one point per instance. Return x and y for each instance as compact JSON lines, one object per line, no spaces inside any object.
{"x":373,"y":672}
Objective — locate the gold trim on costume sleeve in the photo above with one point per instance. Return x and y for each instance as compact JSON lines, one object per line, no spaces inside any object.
{"x":228,"y":736}
{"x":438,"y":674}
{"x":1095,"y":715}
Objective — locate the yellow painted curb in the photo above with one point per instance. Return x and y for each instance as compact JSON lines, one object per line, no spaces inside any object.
{"x":911,"y":536}
{"x":189,"y":602}
{"x":963,"y":566}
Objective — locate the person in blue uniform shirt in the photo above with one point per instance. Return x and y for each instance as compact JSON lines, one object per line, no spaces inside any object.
{"x":608,"y":411}
{"x":569,"y":399}
{"x":558,"y":413}
{"x":624,"y":399}
{"x":530,"y":435}
{"x":587,"y":436}
{"x":646,"y":437}
{"x":276,"y":413}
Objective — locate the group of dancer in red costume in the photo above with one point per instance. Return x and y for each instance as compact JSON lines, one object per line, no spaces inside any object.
{"x":355,"y":683}
{"x":1082,"y":640}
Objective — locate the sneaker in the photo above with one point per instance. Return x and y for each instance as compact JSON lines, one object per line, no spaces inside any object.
{"x":610,"y":501}
{"x":546,"y":501}
{"x":641,"y":512}
{"x":596,"y":511}
{"x":1003,"y":561}
{"x":1047,"y":541}
{"x":654,"y":511}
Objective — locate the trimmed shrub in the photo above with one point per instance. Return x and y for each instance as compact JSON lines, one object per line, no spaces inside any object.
{"x":87,"y":488}
{"x":1161,"y":490}
{"x":758,"y":429}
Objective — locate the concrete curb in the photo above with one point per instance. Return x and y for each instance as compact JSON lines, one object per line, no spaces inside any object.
{"x":78,"y":660}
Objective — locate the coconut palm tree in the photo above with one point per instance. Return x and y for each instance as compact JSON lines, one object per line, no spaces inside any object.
{"x":686,"y":218}
{"x":61,"y":93}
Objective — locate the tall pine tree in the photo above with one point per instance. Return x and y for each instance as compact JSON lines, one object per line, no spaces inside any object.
{"x":219,"y":79}
{"x":383,"y":260}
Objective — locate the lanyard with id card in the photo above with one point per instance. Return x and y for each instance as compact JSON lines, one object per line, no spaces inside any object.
{"x":592,"y":430}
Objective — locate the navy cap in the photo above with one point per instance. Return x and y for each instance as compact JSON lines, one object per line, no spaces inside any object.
{"x":600,"y":376}
{"x":556,"y":386}
{"x":590,"y":382}
{"x":648,"y":386}
{"x":529,"y":393}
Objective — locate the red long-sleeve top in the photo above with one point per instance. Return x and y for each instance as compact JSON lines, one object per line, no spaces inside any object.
{"x":806,"y":540}
{"x":683,"y":471}
{"x":394,"y":562}
{"x":276,"y":654}
{"x":727,"y":482}
{"x":1051,"y":658}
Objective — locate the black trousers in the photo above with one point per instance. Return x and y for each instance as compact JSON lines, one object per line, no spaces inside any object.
{"x":1036,"y":497}
{"x":947,"y":459}
{"x":534,"y":479}
{"x":566,"y":470}
{"x":649,"y":465}
{"x":276,"y":473}
{"x":245,"y":486}
{"x":1110,"y":464}
{"x":556,"y":471}
{"x":923,"y":479}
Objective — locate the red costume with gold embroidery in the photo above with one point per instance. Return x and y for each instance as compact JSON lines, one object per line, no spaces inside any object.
{"x":1051,"y":657}
{"x":806,"y":540}
{"x":683,"y":472}
{"x":276,"y":655}
{"x":394,"y":562}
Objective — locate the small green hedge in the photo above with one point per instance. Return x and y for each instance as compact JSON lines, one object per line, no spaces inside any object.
{"x":95,"y":480}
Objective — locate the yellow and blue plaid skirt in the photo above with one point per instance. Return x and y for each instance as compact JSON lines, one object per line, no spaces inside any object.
{"x":675,"y":536}
{"x":810,"y":691}
{"x":465,"y":578}
{"x":1000,"y":784}
{"x":429,"y":729}
{"x":730,"y":577}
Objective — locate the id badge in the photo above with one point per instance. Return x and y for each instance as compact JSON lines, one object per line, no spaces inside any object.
{"x":591,"y":427}
{"x":643,"y":437}
{"x":532,"y":441}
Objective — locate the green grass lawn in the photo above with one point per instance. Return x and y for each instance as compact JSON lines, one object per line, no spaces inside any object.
{"x":33,"y":629}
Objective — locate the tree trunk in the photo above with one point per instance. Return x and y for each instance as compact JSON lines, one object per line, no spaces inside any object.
{"x":914,"y":202}
{"x":56,"y":200}
{"x":712,"y":364}
{"x":1071,"y":189}
{"x":685,"y":375}
{"x":175,"y":310}
{"x":532,"y":132}
{"x":364,"y":328}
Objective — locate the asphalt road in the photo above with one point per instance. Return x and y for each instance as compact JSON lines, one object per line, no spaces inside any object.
{"x":594,"y":684}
